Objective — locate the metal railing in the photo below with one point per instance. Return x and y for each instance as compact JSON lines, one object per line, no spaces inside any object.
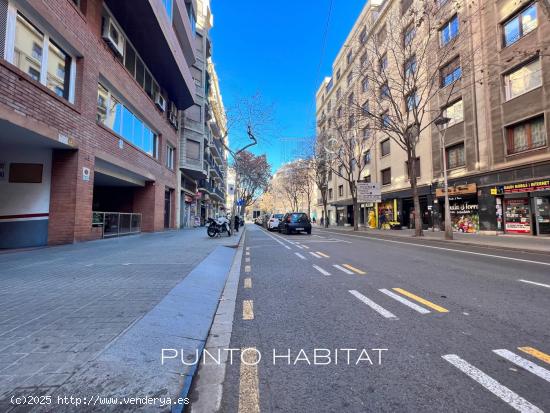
{"x":116,"y":224}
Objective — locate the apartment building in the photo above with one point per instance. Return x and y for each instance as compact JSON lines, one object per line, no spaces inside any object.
{"x":89,"y":106}
{"x":496,"y":139}
{"x":202,"y":155}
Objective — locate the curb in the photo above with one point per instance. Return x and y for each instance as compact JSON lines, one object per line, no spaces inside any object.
{"x":365,"y":234}
{"x":234,"y":268}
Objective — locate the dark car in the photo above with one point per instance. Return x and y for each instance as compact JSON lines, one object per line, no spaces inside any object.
{"x":295,"y":222}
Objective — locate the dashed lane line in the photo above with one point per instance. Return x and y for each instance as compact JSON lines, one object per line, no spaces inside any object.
{"x":404,"y":301}
{"x":524,"y":364}
{"x":502,"y":392}
{"x":247,"y":268}
{"x":535,"y":283}
{"x":276,"y":240}
{"x":536,"y":353}
{"x":249,"y":387}
{"x":300,"y":255}
{"x":248,"y":310}
{"x":379,"y":309}
{"x":342,"y":269}
{"x":422,"y":300}
{"x":355,"y":270}
{"x":322,"y":254}
{"x":321,"y":270}
{"x":315,"y":255}
{"x":248,"y":282}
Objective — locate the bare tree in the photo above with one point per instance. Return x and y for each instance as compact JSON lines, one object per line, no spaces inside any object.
{"x":409,"y":71}
{"x":320,"y":170}
{"x":254,"y":177}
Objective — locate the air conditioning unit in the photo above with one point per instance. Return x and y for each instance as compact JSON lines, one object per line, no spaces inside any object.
{"x":160,"y":102}
{"x":113,"y":36}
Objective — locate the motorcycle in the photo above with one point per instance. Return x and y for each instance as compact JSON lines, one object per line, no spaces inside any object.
{"x":215,"y":227}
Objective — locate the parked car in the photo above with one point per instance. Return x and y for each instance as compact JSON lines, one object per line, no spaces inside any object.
{"x":259,"y":220}
{"x":273,"y":222}
{"x":295,"y":222}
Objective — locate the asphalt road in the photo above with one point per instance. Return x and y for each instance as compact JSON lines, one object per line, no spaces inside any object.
{"x":462,"y":333}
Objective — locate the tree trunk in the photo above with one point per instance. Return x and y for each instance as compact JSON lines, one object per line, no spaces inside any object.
{"x":325,"y":223}
{"x":355,"y":213}
{"x":418,"y":232}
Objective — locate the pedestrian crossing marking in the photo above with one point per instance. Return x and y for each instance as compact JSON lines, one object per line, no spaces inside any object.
{"x":536,"y":353}
{"x":524,"y":364}
{"x":421,"y":300}
{"x":504,"y":393}
{"x":248,"y":310}
{"x":356,"y":270}
{"x":305,"y":246}
{"x":322,"y":254}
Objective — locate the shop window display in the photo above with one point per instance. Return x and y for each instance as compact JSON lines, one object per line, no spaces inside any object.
{"x":517,"y":216}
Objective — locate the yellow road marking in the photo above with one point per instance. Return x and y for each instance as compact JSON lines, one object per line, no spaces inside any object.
{"x":422,"y":300}
{"x":536,"y":353}
{"x":248,"y":310}
{"x":322,"y":255}
{"x":249,"y":388}
{"x":248,"y":283}
{"x":358,"y":271}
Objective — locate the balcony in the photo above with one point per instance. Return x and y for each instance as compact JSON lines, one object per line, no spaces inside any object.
{"x":219,"y":194}
{"x":205,"y":186}
{"x":159,"y":46}
{"x":219,"y":150}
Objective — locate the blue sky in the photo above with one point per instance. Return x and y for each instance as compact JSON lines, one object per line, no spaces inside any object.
{"x":275,"y":47}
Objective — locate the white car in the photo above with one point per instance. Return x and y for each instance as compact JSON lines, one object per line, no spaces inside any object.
{"x":273,"y":222}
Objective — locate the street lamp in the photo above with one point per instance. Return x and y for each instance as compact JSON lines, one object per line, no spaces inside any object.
{"x":441,"y":123}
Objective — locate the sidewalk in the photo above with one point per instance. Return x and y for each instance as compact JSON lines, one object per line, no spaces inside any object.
{"x":94,"y":317}
{"x":514,"y":242}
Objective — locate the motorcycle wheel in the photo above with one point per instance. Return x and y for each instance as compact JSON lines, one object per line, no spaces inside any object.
{"x":211,"y":231}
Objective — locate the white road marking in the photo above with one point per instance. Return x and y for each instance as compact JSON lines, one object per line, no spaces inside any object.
{"x":299,"y":246}
{"x":380,"y":310}
{"x":322,"y":271}
{"x":300,"y":255}
{"x":276,"y":240}
{"x":315,"y":255}
{"x":247,"y":268}
{"x":247,"y":259}
{"x":247,"y":252}
{"x":445,"y":249}
{"x":248,"y":283}
{"x":504,"y":393}
{"x":525,"y":364}
{"x":342,"y":269}
{"x":534,"y":283}
{"x":402,"y":300}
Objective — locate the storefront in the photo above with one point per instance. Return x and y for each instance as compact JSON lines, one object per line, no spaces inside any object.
{"x":524,"y":206}
{"x":463,"y":206}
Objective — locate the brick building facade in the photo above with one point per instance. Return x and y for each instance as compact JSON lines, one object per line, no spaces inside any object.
{"x":89,"y":103}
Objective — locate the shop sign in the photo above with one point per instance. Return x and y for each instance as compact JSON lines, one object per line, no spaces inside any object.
{"x":368,"y":192}
{"x":527,"y":186}
{"x":457,"y":190}
{"x":464,"y":216}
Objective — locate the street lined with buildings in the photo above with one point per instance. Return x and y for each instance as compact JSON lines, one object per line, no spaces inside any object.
{"x":459,"y":329}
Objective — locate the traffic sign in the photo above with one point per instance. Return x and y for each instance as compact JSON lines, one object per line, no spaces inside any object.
{"x":368,"y":192}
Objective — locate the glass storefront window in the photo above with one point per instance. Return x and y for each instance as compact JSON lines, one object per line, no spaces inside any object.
{"x":542,"y":212}
{"x":517,"y":216}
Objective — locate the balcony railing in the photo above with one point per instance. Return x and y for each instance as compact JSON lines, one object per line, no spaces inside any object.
{"x":116,"y":224}
{"x":204,"y":184}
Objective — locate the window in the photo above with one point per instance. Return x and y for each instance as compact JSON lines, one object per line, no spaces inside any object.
{"x":340,"y":190}
{"x":449,"y":31}
{"x":386,"y":176}
{"x":193,"y":150}
{"x":363,"y":36}
{"x":330,"y":193}
{"x":367,"y":179}
{"x":385,"y":120}
{"x":338,"y":74}
{"x":170,"y":155}
{"x":526,"y":135}
{"x":384,"y":91}
{"x":383,"y":63}
{"x":365,"y":85}
{"x":52,"y":69}
{"x":409,"y":34}
{"x":117,"y":117}
{"x":366,"y":158}
{"x":169,"y":8}
{"x":349,"y":57}
{"x":455,"y":156}
{"x":329,"y":106}
{"x":451,"y":72}
{"x":350,"y":78}
{"x":385,"y":147}
{"x":455,"y":112}
{"x":410,"y":66}
{"x":364,"y":59}
{"x":366,"y":132}
{"x":338,"y":93}
{"x":523,"y":79}
{"x":520,"y":24}
{"x":366,"y":108}
{"x":412,"y":101}
{"x":416,"y":167}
